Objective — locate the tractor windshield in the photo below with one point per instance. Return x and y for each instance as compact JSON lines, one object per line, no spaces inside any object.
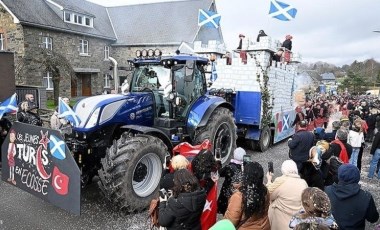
{"x":153,"y":77}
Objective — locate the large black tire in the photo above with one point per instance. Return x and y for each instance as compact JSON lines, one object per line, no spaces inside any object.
{"x":221,"y":131}
{"x":131,"y":171}
{"x":265,"y":139}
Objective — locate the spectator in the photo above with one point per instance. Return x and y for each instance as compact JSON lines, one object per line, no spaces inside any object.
{"x":338,"y":153}
{"x":261,"y":34}
{"x":331,"y":135}
{"x":351,"y":205}
{"x":285,"y":195}
{"x":5,"y":126}
{"x":177,"y":162}
{"x":183,"y":210}
{"x":300,"y":145}
{"x":300,"y":116}
{"x":311,"y":169}
{"x":248,"y":207}
{"x":375,"y":152}
{"x":316,"y":209}
{"x":232,"y":174}
{"x":355,"y":139}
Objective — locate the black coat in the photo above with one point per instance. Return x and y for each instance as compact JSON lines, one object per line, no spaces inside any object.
{"x":351,"y":206}
{"x":231,"y":173}
{"x":300,"y":145}
{"x":287,"y":44}
{"x":312,"y":176}
{"x":183,"y":212}
{"x":331,"y":170}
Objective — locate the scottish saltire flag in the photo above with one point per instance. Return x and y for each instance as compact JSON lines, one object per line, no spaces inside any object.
{"x":65,"y":111}
{"x":282,"y":11}
{"x":209,"y":19}
{"x":9,"y":105}
{"x":214,"y":75}
{"x":57,"y":147}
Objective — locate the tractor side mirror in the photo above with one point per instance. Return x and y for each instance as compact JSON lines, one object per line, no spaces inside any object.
{"x":189,"y":71}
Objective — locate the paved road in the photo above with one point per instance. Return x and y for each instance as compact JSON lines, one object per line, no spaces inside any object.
{"x":20,"y":210}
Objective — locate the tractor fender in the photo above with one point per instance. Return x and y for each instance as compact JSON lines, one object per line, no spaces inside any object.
{"x":151,"y":131}
{"x":202,"y":110}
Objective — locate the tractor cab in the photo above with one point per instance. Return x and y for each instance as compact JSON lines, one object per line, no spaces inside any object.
{"x":176,"y":83}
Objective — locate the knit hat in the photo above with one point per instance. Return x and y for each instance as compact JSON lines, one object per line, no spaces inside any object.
{"x":344,"y":118}
{"x":238,"y":155}
{"x":289,"y":167}
{"x":224,"y":224}
{"x":336,"y":125}
{"x":348,"y":174}
{"x":316,"y":202}
{"x":341,"y":134}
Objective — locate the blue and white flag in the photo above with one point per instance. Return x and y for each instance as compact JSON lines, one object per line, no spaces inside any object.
{"x":214,"y":75}
{"x":9,"y":105}
{"x":57,"y":147}
{"x":65,"y":111}
{"x":282,"y":11}
{"x":209,"y":19}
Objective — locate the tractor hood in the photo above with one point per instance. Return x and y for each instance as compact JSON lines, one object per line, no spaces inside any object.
{"x":111,"y":108}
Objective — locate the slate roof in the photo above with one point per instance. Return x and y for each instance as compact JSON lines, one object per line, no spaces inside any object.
{"x":40,"y":13}
{"x":161,"y":23}
{"x":328,"y":77}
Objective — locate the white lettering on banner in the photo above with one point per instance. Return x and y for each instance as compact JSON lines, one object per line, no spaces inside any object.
{"x":31,"y":138}
{"x":28,"y":154}
{"x":34,"y":182}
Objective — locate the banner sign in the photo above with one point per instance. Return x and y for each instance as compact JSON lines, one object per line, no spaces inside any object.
{"x":37,"y":160}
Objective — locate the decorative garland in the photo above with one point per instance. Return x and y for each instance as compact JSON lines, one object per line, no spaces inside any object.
{"x":267,"y":107}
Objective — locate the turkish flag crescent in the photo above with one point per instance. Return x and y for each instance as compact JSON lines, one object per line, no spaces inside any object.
{"x":60,"y":182}
{"x":208,"y":218}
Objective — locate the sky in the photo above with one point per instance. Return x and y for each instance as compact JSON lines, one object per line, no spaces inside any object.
{"x":333,"y":31}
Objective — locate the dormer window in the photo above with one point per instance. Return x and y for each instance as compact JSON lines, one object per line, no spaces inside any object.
{"x":78,"y":19}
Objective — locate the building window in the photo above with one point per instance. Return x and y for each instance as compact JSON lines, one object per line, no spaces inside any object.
{"x":78,"y":19}
{"x":107,"y":79}
{"x":83,"y":46}
{"x":67,"y":17}
{"x":47,"y":43}
{"x":48,"y":81}
{"x":2,"y":41}
{"x":106,"y":52}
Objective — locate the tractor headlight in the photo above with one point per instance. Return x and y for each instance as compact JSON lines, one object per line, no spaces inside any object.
{"x":93,"y":119}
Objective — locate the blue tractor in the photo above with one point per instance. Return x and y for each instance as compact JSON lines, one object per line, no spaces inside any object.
{"x":127,"y":138}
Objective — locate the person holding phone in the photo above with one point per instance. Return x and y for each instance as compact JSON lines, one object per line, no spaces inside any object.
{"x":285,"y":195}
{"x":183,"y":210}
{"x":232,"y":174}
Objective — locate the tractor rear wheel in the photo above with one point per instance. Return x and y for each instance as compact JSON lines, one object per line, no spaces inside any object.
{"x":221,"y":131}
{"x":131,"y":171}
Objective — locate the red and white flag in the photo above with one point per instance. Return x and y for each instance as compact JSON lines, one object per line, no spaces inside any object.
{"x":60,"y":182}
{"x":208,"y":218}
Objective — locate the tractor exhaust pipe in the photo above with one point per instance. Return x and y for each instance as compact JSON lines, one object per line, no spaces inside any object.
{"x":115,"y":77}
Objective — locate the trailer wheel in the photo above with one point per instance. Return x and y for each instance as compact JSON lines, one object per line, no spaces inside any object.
{"x":221,"y":131}
{"x":131,"y":171}
{"x":265,"y":139}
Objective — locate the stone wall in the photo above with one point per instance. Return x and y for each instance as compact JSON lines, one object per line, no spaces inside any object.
{"x":67,"y":45}
{"x":14,"y":38}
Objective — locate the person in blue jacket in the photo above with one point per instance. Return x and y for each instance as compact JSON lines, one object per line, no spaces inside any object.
{"x":351,"y":206}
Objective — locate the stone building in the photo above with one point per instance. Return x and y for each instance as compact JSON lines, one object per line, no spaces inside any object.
{"x":86,"y":34}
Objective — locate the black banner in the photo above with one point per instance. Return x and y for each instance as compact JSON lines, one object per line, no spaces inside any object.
{"x":37,"y":160}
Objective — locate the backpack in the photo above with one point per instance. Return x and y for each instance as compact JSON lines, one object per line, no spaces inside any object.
{"x":153,"y":213}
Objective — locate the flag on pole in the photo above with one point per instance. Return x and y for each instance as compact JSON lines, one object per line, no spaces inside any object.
{"x":282,"y":11}
{"x":209,"y":214}
{"x":9,"y":105}
{"x":213,"y":75}
{"x":65,"y":111}
{"x":209,"y":19}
